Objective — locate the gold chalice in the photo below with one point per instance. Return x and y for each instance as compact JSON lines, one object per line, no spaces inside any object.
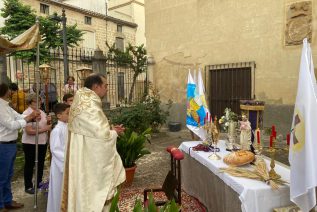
{"x":214,"y":134}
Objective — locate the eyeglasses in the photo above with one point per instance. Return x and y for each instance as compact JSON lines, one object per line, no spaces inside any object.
{"x":34,"y":101}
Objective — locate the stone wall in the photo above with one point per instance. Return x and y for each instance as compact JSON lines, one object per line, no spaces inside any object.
{"x":279,"y":115}
{"x":195,"y":33}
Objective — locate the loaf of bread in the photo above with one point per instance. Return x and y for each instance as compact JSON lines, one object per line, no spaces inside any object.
{"x":239,"y":158}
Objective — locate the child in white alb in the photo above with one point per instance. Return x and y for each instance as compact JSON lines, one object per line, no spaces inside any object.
{"x":58,"y":141}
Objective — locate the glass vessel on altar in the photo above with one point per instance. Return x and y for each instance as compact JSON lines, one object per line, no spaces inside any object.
{"x":231,"y":135}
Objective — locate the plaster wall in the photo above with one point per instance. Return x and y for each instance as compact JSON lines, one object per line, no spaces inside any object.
{"x":195,"y":33}
{"x":139,"y":18}
{"x":1,"y":18}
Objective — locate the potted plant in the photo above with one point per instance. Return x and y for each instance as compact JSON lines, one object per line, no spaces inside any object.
{"x":131,"y":147}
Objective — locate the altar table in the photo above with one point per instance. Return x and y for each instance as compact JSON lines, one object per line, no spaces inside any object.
{"x":220,"y":191}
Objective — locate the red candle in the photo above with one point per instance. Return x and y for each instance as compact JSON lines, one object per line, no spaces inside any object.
{"x":198,"y":120}
{"x":258,"y":136}
{"x":274,"y":134}
{"x":271,"y":141}
{"x":207,"y":116}
{"x":288,"y":138}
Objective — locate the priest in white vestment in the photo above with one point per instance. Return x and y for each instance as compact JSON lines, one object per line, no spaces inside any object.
{"x":93,"y":168}
{"x":58,"y":139}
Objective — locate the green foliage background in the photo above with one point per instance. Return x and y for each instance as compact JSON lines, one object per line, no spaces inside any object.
{"x":133,"y":57}
{"x":140,"y":116}
{"x":20,"y":17}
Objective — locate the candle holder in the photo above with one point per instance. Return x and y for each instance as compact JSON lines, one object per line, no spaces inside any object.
{"x":206,"y":127}
{"x":288,"y":138}
{"x":258,"y":148}
{"x":272,"y":148}
{"x":286,"y":148}
{"x":272,"y":172}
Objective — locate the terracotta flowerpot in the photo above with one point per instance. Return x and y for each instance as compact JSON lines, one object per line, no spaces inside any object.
{"x":129,"y":175}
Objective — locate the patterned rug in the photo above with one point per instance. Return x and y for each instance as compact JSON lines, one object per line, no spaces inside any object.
{"x":128,"y":196}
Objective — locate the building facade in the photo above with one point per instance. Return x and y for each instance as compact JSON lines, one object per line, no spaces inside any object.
{"x":132,"y":11}
{"x":227,"y":37}
{"x":98,"y":28}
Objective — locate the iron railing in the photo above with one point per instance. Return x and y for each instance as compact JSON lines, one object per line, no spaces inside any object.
{"x":119,"y":77}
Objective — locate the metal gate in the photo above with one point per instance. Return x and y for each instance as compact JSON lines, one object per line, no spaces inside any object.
{"x":228,"y":84}
{"x":119,"y":77}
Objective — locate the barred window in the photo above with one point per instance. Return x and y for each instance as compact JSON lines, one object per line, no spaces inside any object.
{"x":119,"y":43}
{"x":88,"y":20}
{"x":120,"y":86}
{"x":45,"y":9}
{"x":119,"y":28}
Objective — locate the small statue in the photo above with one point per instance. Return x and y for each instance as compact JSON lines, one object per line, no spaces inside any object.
{"x":245,"y":136}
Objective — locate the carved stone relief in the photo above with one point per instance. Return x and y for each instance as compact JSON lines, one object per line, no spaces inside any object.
{"x":298,"y":23}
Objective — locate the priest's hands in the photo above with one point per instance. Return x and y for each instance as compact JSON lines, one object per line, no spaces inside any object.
{"x":118,"y":128}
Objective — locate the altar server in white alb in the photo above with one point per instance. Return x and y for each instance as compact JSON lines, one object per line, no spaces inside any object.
{"x":58,"y":141}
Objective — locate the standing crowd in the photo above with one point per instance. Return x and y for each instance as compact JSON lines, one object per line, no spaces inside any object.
{"x":85,"y":166}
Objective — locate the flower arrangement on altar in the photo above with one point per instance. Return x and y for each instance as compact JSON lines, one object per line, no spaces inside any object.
{"x":227,"y":118}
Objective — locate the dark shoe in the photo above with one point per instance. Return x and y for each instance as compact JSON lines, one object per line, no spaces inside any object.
{"x":29,"y":190}
{"x":14,"y":205}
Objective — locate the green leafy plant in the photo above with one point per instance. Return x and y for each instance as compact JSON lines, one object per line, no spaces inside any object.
{"x":158,"y":115}
{"x":114,"y":203}
{"x":140,"y":116}
{"x":134,"y":57}
{"x":170,"y":206}
{"x":131,"y":146}
{"x":134,"y":117}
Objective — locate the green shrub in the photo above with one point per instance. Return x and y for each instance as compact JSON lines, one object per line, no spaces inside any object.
{"x":140,"y":116}
{"x":134,"y":117}
{"x":157,"y":116}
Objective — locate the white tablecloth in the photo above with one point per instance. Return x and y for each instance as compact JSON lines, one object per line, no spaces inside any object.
{"x":254,"y":195}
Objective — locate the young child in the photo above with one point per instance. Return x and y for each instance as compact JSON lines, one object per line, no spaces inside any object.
{"x":58,"y":141}
{"x":68,"y":98}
